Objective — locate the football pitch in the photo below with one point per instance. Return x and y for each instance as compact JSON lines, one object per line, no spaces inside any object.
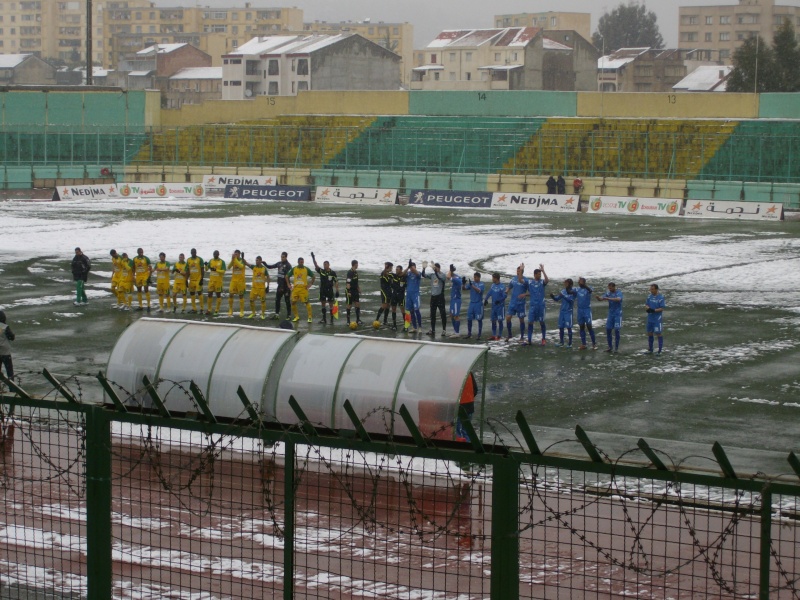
{"x":730,"y":371}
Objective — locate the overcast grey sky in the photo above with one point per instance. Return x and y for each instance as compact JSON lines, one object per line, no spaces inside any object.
{"x":429,"y":17}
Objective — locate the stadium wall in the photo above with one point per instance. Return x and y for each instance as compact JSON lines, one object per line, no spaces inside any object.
{"x":493,"y":103}
{"x":668,"y":106}
{"x":779,"y":106}
{"x":43,"y":109}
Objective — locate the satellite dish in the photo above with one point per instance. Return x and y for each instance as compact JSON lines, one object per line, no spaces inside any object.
{"x":248,"y":92}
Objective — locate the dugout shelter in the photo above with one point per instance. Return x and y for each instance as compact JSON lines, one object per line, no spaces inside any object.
{"x":377,"y":375}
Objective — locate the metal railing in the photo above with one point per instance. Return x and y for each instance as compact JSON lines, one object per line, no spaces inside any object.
{"x":120,"y":501}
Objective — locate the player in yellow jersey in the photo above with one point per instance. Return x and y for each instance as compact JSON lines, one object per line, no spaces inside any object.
{"x":216,"y":272}
{"x":259,"y":288}
{"x":238,"y":282}
{"x":125,"y":282}
{"x":116,"y":273}
{"x":179,"y":280}
{"x":196,"y":268}
{"x":142,"y":270}
{"x":162,"y":282}
{"x":299,"y":279}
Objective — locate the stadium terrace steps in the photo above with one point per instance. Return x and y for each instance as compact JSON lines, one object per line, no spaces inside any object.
{"x":288,"y":140}
{"x":621,"y":147}
{"x":757,"y":151}
{"x":437,"y":144}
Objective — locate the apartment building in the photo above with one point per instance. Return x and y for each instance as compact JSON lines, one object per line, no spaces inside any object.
{"x":563,"y":21}
{"x":284,"y":65}
{"x":56,"y":29}
{"x":133,"y":24}
{"x":640,"y":70}
{"x":724,"y":28}
{"x":396,"y":37}
{"x":512,"y":58}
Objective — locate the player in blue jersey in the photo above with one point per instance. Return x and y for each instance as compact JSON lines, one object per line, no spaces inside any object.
{"x":456,"y":285}
{"x":496,"y":296}
{"x":654,"y":306}
{"x":567,"y":298}
{"x":517,"y":293}
{"x":413,"y":278}
{"x":585,"y":312}
{"x":538,"y":308}
{"x":614,"y":320}
{"x":475,"y":308}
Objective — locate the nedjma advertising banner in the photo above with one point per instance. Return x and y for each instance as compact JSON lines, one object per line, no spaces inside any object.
{"x":535,"y":202}
{"x":724,"y":209}
{"x":354,"y":195}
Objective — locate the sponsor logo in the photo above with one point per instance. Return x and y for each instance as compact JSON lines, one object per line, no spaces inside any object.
{"x":263,"y":192}
{"x":633,"y":206}
{"x":451,"y":198}
{"x":125,"y":190}
{"x":596,"y":204}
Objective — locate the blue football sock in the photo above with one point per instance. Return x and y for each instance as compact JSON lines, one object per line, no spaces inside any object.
{"x":530,"y":331}
{"x":650,"y":343}
{"x":561,"y":334}
{"x":544,"y":330}
{"x":469,"y":327}
{"x":522,"y":328}
{"x":569,"y":332}
{"x":583,"y":337}
{"x":608,"y":337}
{"x":591,"y":333}
{"x":508,"y":326}
{"x":616,"y":337}
{"x":480,"y":326}
{"x":660,"y":343}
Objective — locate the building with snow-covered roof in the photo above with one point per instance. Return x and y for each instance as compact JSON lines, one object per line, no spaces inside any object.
{"x":707,"y":78}
{"x":194,"y":85}
{"x":640,"y":70}
{"x":151,"y":67}
{"x":511,"y":58}
{"x":25,"y":69}
{"x":549,"y":20}
{"x":287,"y":64}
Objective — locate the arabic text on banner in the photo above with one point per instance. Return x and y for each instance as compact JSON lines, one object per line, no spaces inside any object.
{"x":724,"y":209}
{"x":281,"y":193}
{"x":353,"y":195}
{"x":217,"y":183}
{"x":450,"y":198}
{"x":621,"y":205}
{"x":74,"y":192}
{"x":535,"y":202}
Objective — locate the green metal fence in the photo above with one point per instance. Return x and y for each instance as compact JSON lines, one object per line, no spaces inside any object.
{"x":114,"y":501}
{"x":766,"y":152}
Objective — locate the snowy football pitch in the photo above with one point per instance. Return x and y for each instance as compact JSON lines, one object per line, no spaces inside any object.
{"x":731,"y":368}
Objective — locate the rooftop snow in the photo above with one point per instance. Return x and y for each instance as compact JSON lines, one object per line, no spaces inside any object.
{"x":471,"y":38}
{"x":708,"y":78}
{"x":199,"y":73}
{"x":160,"y":49}
{"x":9,"y":61}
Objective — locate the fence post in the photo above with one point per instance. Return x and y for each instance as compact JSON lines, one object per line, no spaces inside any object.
{"x":766,"y":544}
{"x":505,"y":538}
{"x":288,"y":524}
{"x":98,"y":504}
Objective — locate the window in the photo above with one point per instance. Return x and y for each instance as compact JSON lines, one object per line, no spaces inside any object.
{"x":644,"y":70}
{"x":272,"y":90}
{"x":302,"y":66}
{"x":138,"y":16}
{"x":396,"y":31}
{"x":236,"y":61}
{"x":370,"y":31}
{"x":272,"y":67}
{"x":690,"y":20}
{"x":235,"y":30}
{"x":779,"y":19}
{"x":724,"y":36}
{"x":436,"y":76}
{"x":709,"y":20}
{"x":497,"y":57}
{"x":433,"y":59}
{"x":302,"y":86}
{"x":708,"y":37}
{"x":747,"y":19}
{"x":469,"y":76}
{"x":452,"y":57}
{"x":294,"y":65}
{"x":514,"y":56}
{"x":236,"y":83}
{"x":553,"y":21}
{"x":235,"y":16}
{"x":725,"y":20}
{"x":293,"y":87}
{"x":724,"y":54}
{"x":451,"y":76}
{"x":251,"y":67}
{"x":468,"y":57}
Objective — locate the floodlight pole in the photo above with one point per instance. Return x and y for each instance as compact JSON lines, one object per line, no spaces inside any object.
{"x":89,"y":70}
{"x":755,"y":76}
